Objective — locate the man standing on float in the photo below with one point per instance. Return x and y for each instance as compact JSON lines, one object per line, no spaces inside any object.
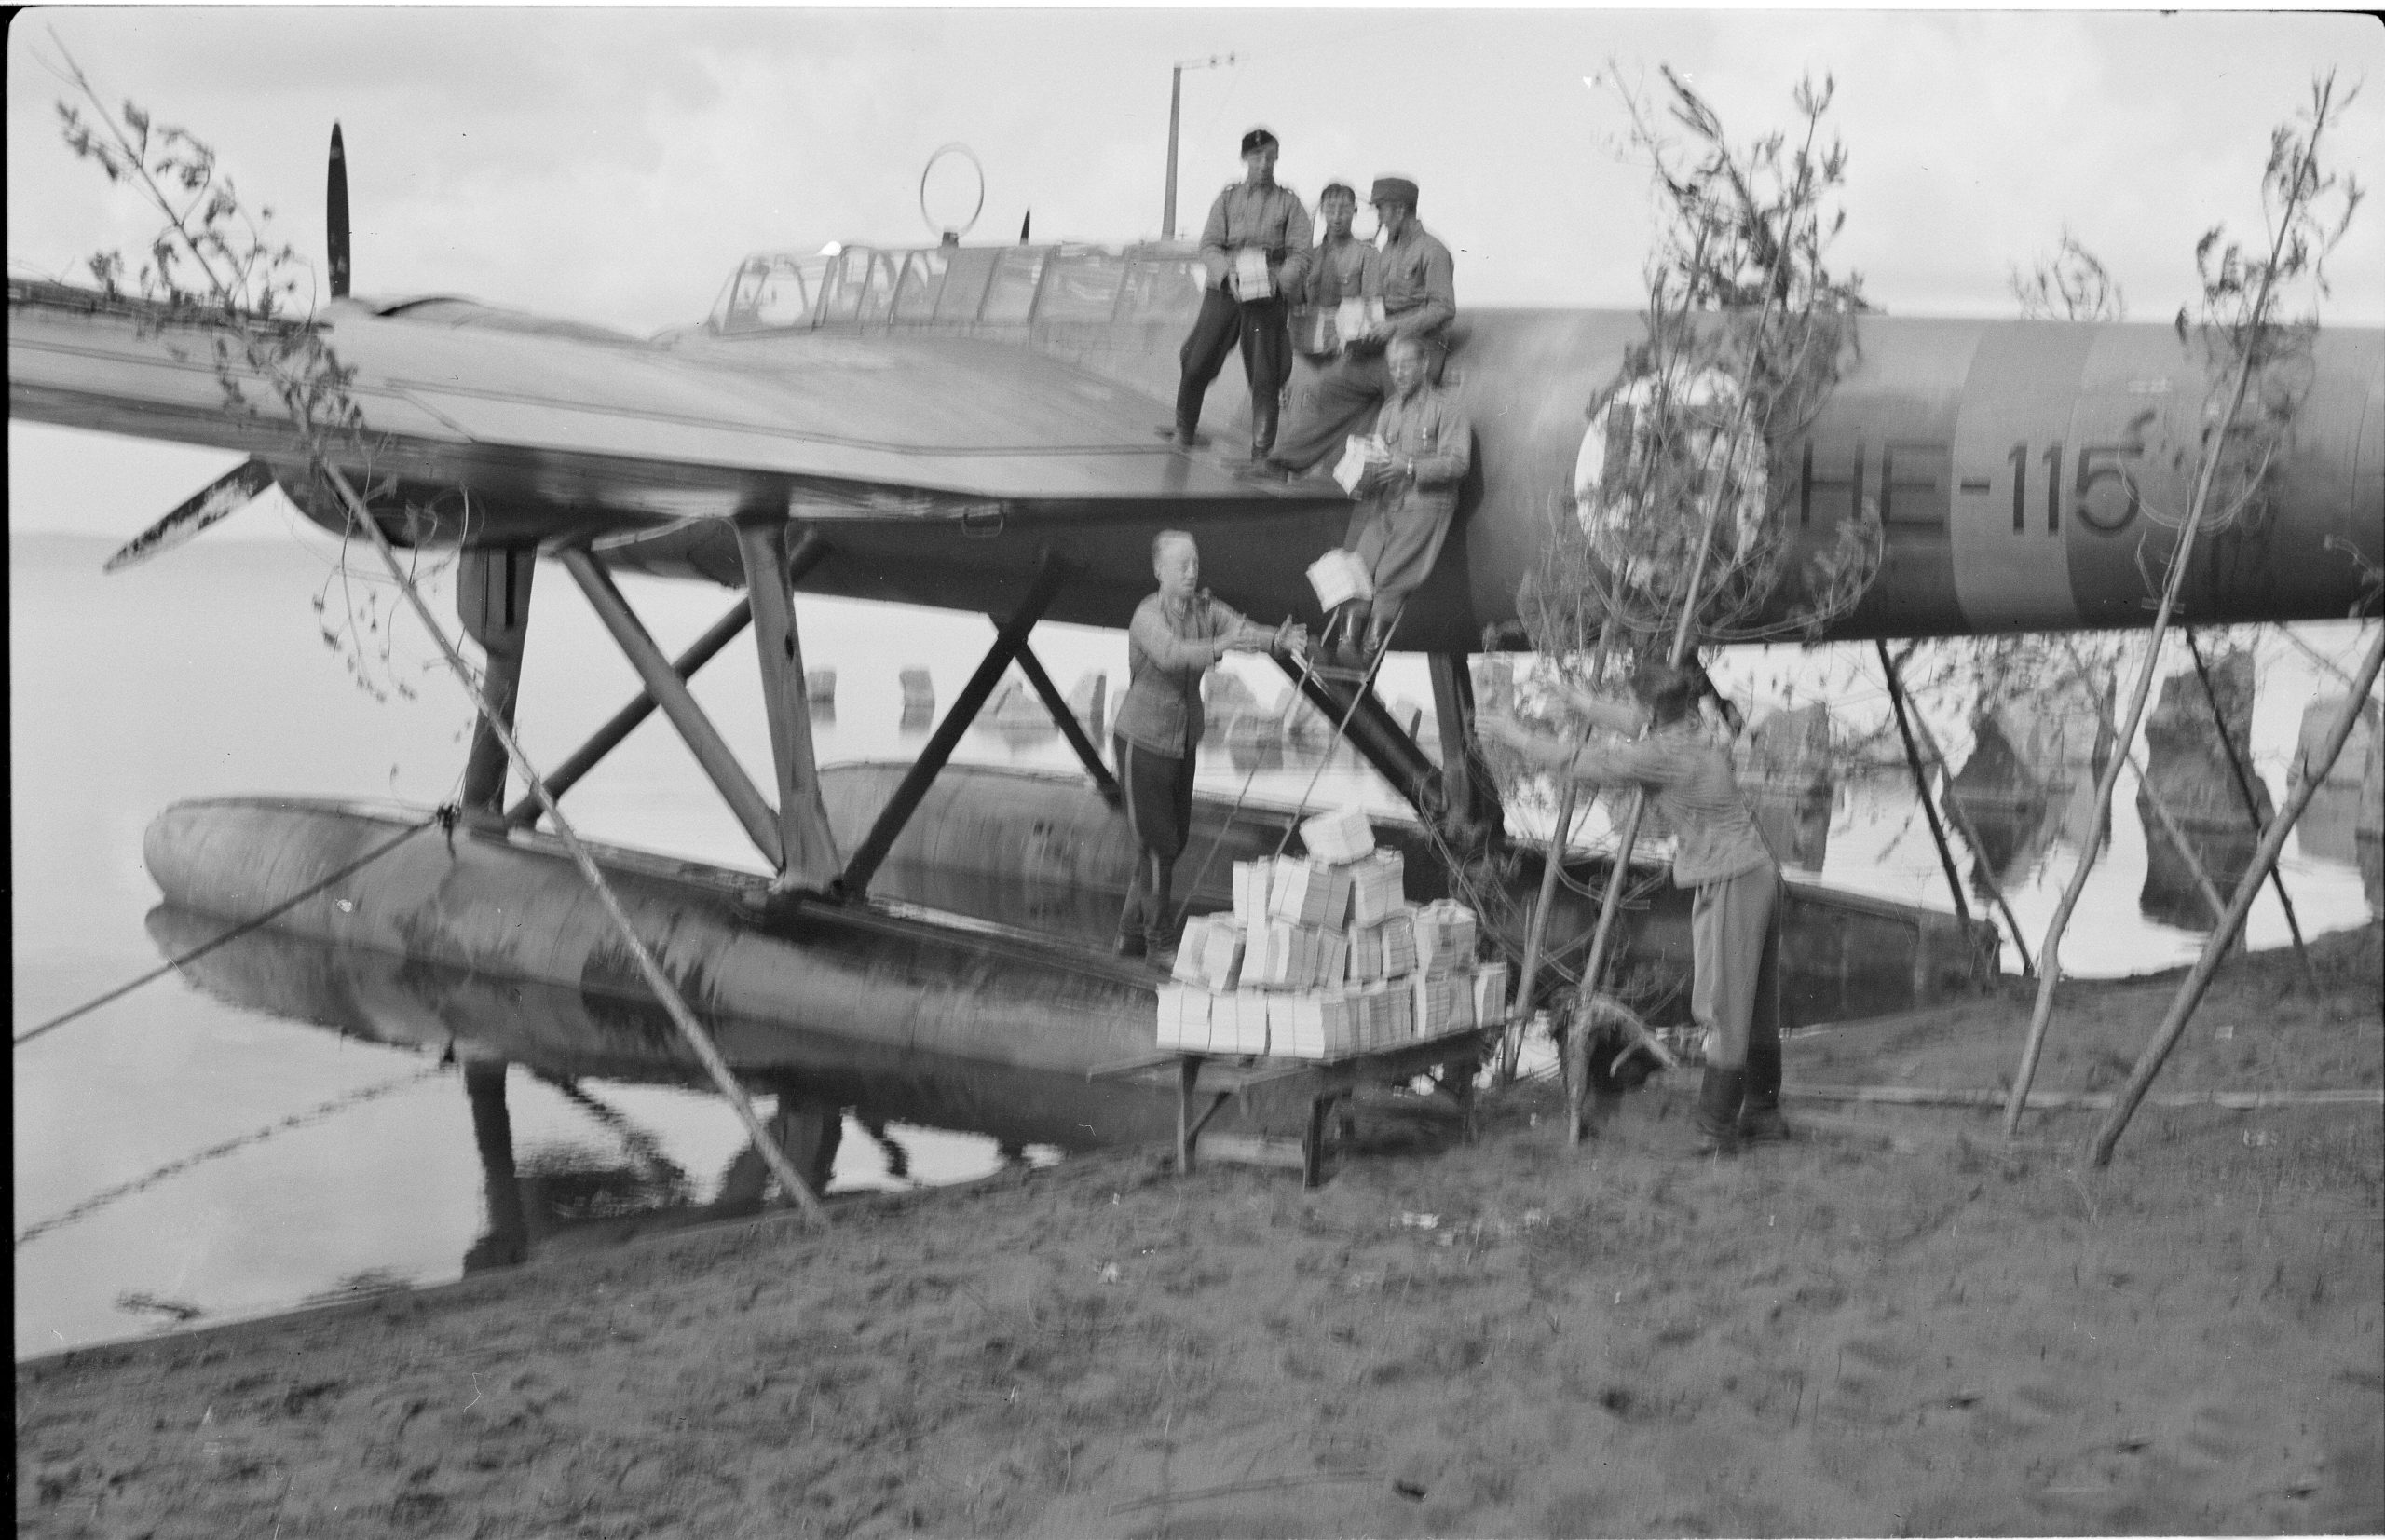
{"x":1178,"y":636}
{"x":1256,"y":247}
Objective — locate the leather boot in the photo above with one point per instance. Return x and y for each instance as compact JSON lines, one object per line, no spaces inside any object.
{"x":1262,"y":430}
{"x":1716,"y":1122}
{"x":1378,"y":637}
{"x":1760,"y":1119}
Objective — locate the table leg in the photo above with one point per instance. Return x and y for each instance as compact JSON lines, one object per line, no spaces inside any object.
{"x":1461,"y":1092}
{"x":1188,"y":1075}
{"x":1312,"y":1141}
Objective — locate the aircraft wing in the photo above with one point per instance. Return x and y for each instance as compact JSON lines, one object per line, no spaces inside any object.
{"x":561,"y":430}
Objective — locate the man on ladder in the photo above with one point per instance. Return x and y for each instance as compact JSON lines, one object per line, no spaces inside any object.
{"x":1420,"y":451}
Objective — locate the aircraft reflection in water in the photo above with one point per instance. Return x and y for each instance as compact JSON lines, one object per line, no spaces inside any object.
{"x":2342,"y":822}
{"x":566,"y":1036}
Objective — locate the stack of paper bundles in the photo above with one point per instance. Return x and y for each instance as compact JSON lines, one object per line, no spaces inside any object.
{"x":1309,"y":893}
{"x":1384,"y":1014}
{"x":1442,"y":1005}
{"x":1238,"y":1023}
{"x":1491,"y":994}
{"x":1378,"y":887}
{"x":1251,"y":279}
{"x":1210,"y":953}
{"x":1313,"y":1023}
{"x":1393,"y":939}
{"x":1338,"y":838}
{"x":1252,"y":880}
{"x":1184,"y":1017}
{"x":1445,"y":938}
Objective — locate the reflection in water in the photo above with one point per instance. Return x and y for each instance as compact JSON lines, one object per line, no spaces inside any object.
{"x":1785,"y":769}
{"x":563,"y":1195}
{"x":2343,"y":820}
{"x":2030,"y":781}
{"x":2187,"y":767}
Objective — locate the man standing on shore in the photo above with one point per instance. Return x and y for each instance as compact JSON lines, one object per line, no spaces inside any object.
{"x":1256,"y":247}
{"x":1721,"y":855}
{"x":1414,"y":277}
{"x":1176,"y":636}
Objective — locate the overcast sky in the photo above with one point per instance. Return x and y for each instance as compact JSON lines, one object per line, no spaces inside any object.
{"x":616,"y":164}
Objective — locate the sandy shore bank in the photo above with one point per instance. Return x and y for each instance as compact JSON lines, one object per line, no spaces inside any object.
{"x":1895,"y":1326}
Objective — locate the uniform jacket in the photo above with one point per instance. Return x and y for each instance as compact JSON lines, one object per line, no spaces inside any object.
{"x":1169,"y":646}
{"x":1417,"y":281}
{"x":1269,"y":217}
{"x":1432,"y":429}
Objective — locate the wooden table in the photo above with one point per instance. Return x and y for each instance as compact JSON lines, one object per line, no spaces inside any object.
{"x":1224,"y":1076}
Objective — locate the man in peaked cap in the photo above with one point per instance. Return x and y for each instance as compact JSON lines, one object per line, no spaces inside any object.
{"x":1415,"y":278}
{"x":1256,"y":246}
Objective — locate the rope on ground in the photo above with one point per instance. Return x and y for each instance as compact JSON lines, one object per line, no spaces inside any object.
{"x":296,"y":1120}
{"x":445,"y":816}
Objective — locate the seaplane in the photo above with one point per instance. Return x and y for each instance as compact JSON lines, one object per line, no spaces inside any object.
{"x":971,"y":427}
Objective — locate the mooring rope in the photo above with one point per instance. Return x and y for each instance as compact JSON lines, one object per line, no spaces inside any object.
{"x":445,"y":817}
{"x":296,"y":1120}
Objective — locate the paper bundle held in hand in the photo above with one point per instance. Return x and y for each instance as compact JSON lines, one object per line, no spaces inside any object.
{"x":1250,"y":279}
{"x":1184,"y":1015}
{"x":1444,"y":937}
{"x":1339,"y":837}
{"x":1378,"y":887}
{"x":1358,"y":456}
{"x":1339,"y":577}
{"x":1308,"y":892}
{"x":1491,"y":994}
{"x":1353,"y":319}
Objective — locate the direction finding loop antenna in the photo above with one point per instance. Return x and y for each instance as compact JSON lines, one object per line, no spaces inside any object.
{"x":929,"y":170}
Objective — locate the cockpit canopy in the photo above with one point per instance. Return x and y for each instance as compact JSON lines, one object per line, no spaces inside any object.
{"x":959,"y":285}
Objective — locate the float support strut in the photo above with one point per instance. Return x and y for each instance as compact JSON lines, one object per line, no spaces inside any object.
{"x":906,"y":798}
{"x":605,"y":740}
{"x":1921,"y":783}
{"x":1467,"y":791}
{"x":1071,"y":729}
{"x":670,"y":691}
{"x":493,"y":599}
{"x":809,"y":850}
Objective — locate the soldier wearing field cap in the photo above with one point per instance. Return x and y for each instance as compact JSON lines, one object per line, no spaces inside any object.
{"x":1256,"y":247}
{"x":1414,"y":277}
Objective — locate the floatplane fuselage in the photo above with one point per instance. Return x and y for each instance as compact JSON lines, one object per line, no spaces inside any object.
{"x":972,"y":427}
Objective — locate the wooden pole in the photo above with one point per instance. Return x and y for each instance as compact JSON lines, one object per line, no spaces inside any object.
{"x":656,"y":979}
{"x":2252,"y":808}
{"x":2214,"y":946}
{"x":1921,"y":783}
{"x":1536,"y":936}
{"x":1970,"y":832}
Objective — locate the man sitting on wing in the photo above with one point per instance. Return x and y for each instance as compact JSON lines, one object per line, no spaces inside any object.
{"x":1422,"y":446}
{"x":1415,"y":278}
{"x":1178,"y":636}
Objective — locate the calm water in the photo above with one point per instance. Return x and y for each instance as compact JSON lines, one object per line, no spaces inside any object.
{"x":204,"y":672}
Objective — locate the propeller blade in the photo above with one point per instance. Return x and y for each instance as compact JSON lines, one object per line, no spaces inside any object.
{"x":1023,"y":225}
{"x":336,"y":215}
{"x":226,"y":495}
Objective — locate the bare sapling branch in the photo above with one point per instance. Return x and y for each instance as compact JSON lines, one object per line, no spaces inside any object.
{"x":238,"y":292}
{"x":2243,"y":343}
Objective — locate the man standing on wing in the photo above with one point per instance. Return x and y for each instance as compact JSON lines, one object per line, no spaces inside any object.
{"x":1721,"y":855}
{"x":1414,"y":277}
{"x":1410,"y":495}
{"x":1178,"y":636}
{"x":1256,"y":247}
